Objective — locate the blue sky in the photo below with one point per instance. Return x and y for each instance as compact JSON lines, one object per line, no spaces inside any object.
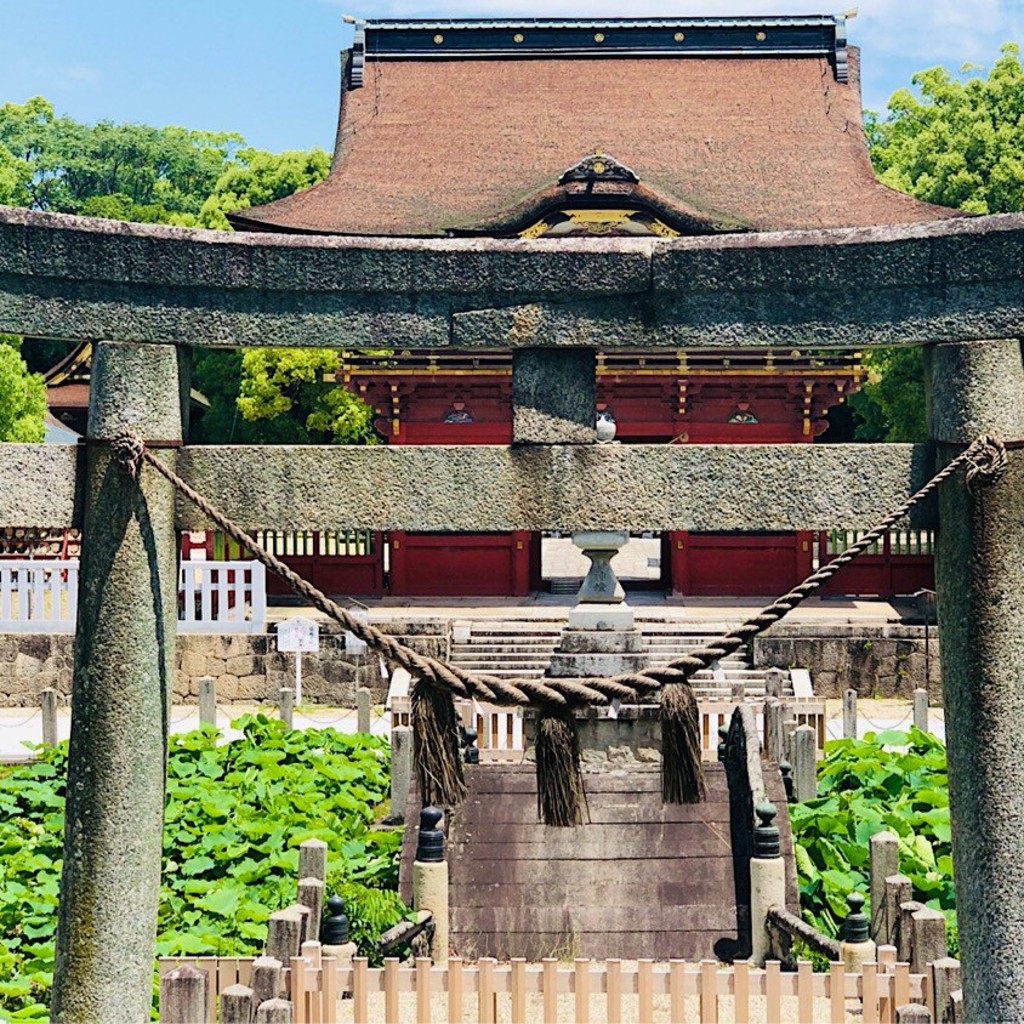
{"x":269,"y":68}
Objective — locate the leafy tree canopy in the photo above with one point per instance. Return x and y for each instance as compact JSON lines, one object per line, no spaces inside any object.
{"x":960,"y":142}
{"x":279,"y":381}
{"x":277,"y":396}
{"x":255,"y":177}
{"x":22,"y":395}
{"x":190,"y":178}
{"x":137,"y":172}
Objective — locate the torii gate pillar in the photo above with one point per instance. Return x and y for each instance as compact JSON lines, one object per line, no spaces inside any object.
{"x":124,"y":665}
{"x":978,"y":387}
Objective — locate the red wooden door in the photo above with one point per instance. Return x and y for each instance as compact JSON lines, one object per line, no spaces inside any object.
{"x":460,"y":564}
{"x":739,"y":564}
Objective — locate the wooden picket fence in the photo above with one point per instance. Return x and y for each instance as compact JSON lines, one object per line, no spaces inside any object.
{"x":41,"y":596}
{"x":38,"y":596}
{"x":324,"y":991}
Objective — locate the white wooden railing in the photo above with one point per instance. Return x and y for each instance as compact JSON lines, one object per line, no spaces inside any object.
{"x":38,"y":595}
{"x":222,"y":597}
{"x":500,"y":729}
{"x":41,"y":596}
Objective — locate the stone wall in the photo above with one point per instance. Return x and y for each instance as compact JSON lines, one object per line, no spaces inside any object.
{"x":876,"y":661}
{"x":246,"y":667}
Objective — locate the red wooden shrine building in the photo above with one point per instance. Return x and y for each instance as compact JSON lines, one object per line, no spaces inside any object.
{"x":560,"y":128}
{"x":664,"y":397}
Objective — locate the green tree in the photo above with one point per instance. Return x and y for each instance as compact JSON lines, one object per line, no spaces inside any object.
{"x":174,"y":175}
{"x":959,"y":143}
{"x":22,"y":395}
{"x":298,"y":382}
{"x":137,"y":172}
{"x":126,"y":171}
{"x":890,"y":405}
{"x":255,"y":177}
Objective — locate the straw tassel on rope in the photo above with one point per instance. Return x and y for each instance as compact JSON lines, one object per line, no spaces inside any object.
{"x":435,"y":732}
{"x":682,"y":774}
{"x":561,"y":799}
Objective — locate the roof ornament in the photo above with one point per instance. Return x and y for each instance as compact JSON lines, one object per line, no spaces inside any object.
{"x":357,"y":64}
{"x":842,"y":53}
{"x":598,"y":166}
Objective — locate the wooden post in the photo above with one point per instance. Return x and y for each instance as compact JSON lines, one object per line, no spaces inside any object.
{"x":928,"y":938}
{"x":48,"y":702}
{"x":774,"y":713}
{"x":956,"y":1006}
{"x":921,"y":709}
{"x":789,"y":727}
{"x":284,"y":935}
{"x":401,"y":769}
{"x":306,"y":918}
{"x":945,"y":981}
{"x":905,"y":930}
{"x":184,"y":995}
{"x":978,"y":387}
{"x":274,"y":1011}
{"x":883,"y":848}
{"x":311,"y":894}
{"x":364,"y":701}
{"x":236,"y":1005}
{"x":805,"y":763}
{"x":124,"y":668}
{"x":898,"y":890}
{"x":267,"y":979}
{"x":313,"y":859}
{"x":850,"y":714}
{"x":774,"y":682}
{"x":913,"y":1013}
{"x":207,"y":701}
{"x":286,"y":702}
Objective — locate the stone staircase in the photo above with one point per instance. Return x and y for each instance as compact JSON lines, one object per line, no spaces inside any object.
{"x":522,"y":649}
{"x":507,"y":648}
{"x":669,"y":640}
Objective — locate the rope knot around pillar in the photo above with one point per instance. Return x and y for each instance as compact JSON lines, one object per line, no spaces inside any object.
{"x":986,"y":461}
{"x":128,"y":449}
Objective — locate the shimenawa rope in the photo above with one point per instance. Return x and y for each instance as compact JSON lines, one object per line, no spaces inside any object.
{"x":440,"y":769}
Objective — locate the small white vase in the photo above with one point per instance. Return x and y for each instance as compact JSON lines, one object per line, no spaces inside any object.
{"x":605,"y":427}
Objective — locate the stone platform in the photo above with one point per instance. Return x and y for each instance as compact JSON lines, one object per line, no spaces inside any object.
{"x":641,"y":879}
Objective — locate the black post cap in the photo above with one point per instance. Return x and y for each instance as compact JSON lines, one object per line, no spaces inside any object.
{"x":334,"y":927}
{"x":471,"y":754}
{"x":855,"y":929}
{"x":766,"y":835}
{"x":787,"y":779}
{"x":430,"y":847}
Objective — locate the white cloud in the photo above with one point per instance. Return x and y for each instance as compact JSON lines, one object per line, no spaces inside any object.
{"x":941,"y":31}
{"x":71,"y":76}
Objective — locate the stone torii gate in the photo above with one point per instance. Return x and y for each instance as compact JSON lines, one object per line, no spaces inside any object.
{"x":146,"y":294}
